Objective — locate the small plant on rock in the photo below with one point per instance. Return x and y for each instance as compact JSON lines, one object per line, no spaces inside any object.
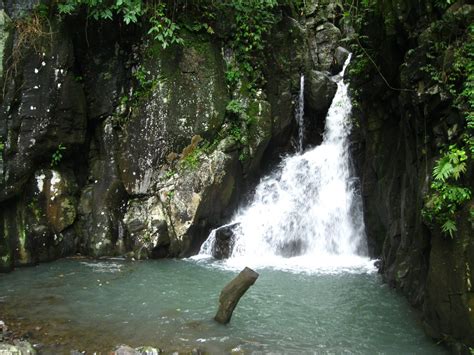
{"x":57,"y":155}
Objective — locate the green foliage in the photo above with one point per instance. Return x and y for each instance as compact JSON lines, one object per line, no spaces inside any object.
{"x":233,"y":76}
{"x":253,"y":21}
{"x":447,"y":196}
{"x":451,"y":165}
{"x":168,"y":174}
{"x":57,"y":155}
{"x":443,"y":4}
{"x":360,"y":65}
{"x":455,"y":77}
{"x":192,"y":160}
{"x":239,"y":116}
{"x":163,"y":29}
{"x":129,"y":10}
{"x":145,"y":83}
{"x":236,"y":107}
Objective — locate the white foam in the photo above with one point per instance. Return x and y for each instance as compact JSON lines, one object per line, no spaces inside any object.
{"x":307,"y":215}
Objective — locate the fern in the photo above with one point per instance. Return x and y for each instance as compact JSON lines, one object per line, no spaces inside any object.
{"x":449,"y":227}
{"x":447,"y":198}
{"x":442,"y":169}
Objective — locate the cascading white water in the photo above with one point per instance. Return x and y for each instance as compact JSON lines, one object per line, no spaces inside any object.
{"x":299,"y":114}
{"x":307,"y":214}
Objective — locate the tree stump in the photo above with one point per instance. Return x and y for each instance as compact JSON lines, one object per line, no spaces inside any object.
{"x":232,"y":292}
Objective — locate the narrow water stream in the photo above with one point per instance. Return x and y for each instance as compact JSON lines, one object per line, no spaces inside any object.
{"x":95,"y":306}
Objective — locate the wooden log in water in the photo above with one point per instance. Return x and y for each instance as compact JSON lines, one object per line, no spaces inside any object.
{"x":232,"y":292}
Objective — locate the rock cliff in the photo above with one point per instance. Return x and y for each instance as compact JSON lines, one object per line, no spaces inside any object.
{"x":405,"y":117}
{"x":112,"y":145}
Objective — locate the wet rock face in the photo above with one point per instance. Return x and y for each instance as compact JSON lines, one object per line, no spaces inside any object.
{"x":188,"y":97}
{"x":103,"y":198}
{"x":49,"y":110}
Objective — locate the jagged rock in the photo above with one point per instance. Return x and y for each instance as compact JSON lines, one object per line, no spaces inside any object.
{"x":126,"y":350}
{"x":58,"y":189}
{"x":198,"y":198}
{"x":148,"y":350}
{"x":321,"y":10}
{"x":323,"y":41}
{"x":36,"y":223}
{"x":146,"y":224}
{"x":3,"y":330}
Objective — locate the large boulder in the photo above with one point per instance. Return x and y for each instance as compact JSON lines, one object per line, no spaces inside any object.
{"x":319,"y":91}
{"x":323,"y":40}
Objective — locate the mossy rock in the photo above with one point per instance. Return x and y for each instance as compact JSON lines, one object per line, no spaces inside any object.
{"x":188,"y":97}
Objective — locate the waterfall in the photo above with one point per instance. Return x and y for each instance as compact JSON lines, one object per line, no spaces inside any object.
{"x":299,"y":114}
{"x":307,"y":214}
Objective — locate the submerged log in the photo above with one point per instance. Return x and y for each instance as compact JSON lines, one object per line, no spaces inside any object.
{"x":232,"y":292}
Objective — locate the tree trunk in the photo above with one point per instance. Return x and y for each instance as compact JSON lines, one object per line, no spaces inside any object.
{"x":232,"y":292}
